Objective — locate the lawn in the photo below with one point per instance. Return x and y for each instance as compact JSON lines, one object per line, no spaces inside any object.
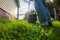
{"x":22,"y":30}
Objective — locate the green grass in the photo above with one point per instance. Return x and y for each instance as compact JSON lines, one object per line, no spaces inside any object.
{"x":22,"y":30}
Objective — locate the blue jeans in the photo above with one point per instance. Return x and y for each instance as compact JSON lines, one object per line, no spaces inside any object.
{"x":42,"y":12}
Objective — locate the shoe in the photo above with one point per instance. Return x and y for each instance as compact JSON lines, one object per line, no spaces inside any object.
{"x":50,"y":23}
{"x":46,"y":27}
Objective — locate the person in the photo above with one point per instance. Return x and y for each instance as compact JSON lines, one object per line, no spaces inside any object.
{"x":43,"y":13}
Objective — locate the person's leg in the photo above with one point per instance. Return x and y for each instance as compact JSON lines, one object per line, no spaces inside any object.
{"x":44,"y":2}
{"x":39,"y":6}
{"x":48,"y":13}
{"x":49,"y":17}
{"x":46,"y":9}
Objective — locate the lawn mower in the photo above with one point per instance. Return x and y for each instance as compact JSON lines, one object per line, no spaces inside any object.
{"x":32,"y":18}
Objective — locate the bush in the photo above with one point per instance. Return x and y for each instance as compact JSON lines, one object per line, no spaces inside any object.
{"x":22,"y":30}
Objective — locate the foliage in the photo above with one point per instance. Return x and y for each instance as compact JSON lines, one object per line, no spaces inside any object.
{"x":56,"y":3}
{"x":22,"y":30}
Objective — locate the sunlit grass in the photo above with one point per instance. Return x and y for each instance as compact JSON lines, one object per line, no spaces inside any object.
{"x":22,"y":30}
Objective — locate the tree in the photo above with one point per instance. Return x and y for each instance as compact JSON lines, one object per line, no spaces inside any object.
{"x":56,"y":3}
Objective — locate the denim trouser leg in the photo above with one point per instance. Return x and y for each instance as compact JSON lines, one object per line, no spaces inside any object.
{"x":48,"y":14}
{"x":47,"y":11}
{"x":42,"y":11}
{"x":43,"y":1}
